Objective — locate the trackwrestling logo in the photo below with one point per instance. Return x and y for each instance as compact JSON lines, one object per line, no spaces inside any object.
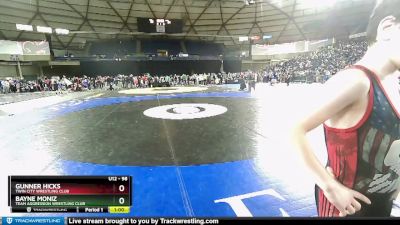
{"x":33,"y":220}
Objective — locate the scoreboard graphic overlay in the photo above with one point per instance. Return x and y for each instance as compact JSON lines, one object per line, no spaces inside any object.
{"x":74,"y":194}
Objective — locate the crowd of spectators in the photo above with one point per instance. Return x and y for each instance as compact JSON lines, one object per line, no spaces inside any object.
{"x":316,"y":66}
{"x":320,"y":65}
{"x":62,"y":84}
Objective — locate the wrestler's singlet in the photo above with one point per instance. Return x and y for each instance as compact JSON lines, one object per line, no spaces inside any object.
{"x":366,"y":157}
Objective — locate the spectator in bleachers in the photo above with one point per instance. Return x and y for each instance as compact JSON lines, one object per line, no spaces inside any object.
{"x":324,"y":62}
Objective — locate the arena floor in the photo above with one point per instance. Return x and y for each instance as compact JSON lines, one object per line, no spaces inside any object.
{"x":204,"y":152}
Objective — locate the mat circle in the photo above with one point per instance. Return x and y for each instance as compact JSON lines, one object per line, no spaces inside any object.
{"x":185,"y":111}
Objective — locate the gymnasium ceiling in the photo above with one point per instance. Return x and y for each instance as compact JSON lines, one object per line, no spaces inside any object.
{"x":215,"y":20}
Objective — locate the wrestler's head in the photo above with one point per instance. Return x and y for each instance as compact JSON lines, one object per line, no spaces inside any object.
{"x":384,"y":29}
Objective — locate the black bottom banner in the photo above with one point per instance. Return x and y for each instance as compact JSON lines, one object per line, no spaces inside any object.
{"x":211,"y":221}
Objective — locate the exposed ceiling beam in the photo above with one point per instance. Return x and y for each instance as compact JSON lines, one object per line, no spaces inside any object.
{"x":222,"y":20}
{"x":255,"y":24}
{"x":54,"y":35}
{"x":283,"y":30}
{"x":84,"y":18}
{"x":49,"y":12}
{"x":223,"y":24}
{"x":288,"y":22}
{"x":230,"y":18}
{"x":233,"y":15}
{"x":129,"y":12}
{"x":259,"y":28}
{"x":151,"y":10}
{"x":201,"y":14}
{"x":124,"y":24}
{"x":190,"y":21}
{"x":282,"y":22}
{"x":229,"y":33}
{"x":289,"y":17}
{"x":127,"y":18}
{"x":220,"y":11}
{"x":30,"y":20}
{"x":255,"y":20}
{"x":3,"y":36}
{"x":47,"y":24}
{"x":73,"y":36}
{"x":169,"y":9}
{"x":251,"y":29}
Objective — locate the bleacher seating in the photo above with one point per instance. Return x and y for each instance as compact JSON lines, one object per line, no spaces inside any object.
{"x":150,"y":47}
{"x":204,"y":48}
{"x":111,"y":48}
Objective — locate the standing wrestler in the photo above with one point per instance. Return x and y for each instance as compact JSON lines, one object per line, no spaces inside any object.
{"x":360,"y":114}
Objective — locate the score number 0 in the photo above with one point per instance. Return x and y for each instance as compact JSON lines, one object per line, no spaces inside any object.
{"x":121,"y":200}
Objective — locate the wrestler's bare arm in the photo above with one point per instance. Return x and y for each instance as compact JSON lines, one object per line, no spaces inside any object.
{"x":343,"y":90}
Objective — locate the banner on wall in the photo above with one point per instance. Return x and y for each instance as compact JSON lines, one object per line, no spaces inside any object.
{"x":289,"y":48}
{"x":275,"y":49}
{"x":10,"y":47}
{"x":24,"y":50}
{"x":35,"y":47}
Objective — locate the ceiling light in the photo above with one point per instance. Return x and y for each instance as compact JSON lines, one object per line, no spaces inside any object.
{"x":249,"y":2}
{"x":241,"y":39}
{"x":265,"y":37}
{"x":24,"y":27}
{"x":62,"y":31}
{"x":44,"y":29}
{"x":255,"y":38}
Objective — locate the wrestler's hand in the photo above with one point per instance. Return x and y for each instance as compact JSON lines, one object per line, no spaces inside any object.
{"x":343,"y":198}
